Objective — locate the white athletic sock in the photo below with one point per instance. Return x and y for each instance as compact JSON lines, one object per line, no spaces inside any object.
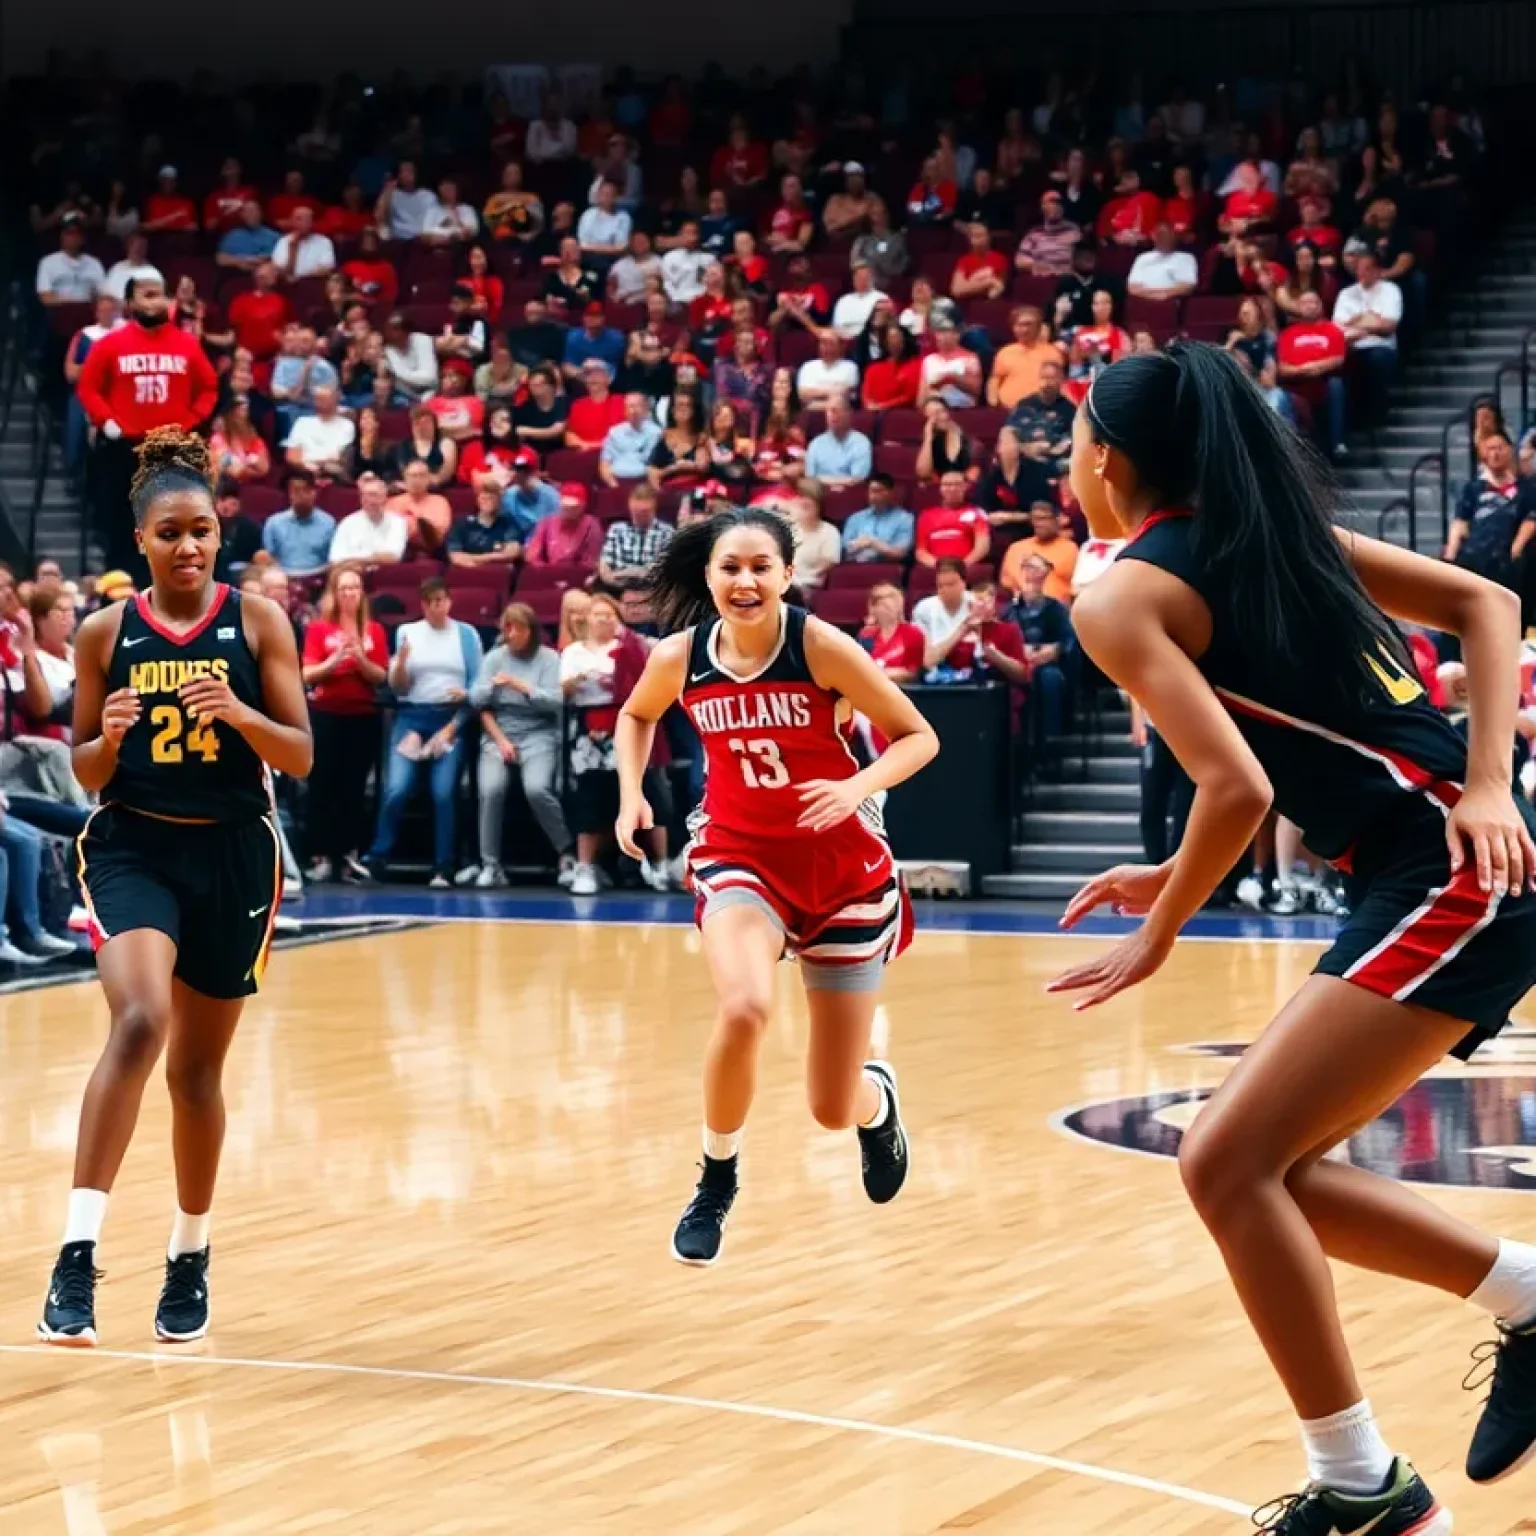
{"x":189,"y":1235}
{"x":87,"y":1212}
{"x":1345,"y":1451}
{"x":883,"y":1111}
{"x":1508,"y":1290}
{"x":721,"y":1144}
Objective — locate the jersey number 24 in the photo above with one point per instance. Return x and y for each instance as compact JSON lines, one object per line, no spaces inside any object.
{"x":166,"y":747}
{"x":768,"y":771}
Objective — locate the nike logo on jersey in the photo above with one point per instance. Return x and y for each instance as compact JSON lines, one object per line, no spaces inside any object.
{"x":698,"y":677}
{"x":257,"y":911}
{"x":137,"y":640}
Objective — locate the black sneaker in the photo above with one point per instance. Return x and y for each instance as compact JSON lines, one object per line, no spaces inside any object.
{"x":183,"y":1311}
{"x":697,"y":1238}
{"x":1404,"y":1508}
{"x":883,"y":1148}
{"x":69,"y":1314}
{"x":1505,"y":1437}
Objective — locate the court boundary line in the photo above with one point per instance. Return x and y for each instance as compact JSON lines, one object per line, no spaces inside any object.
{"x":893,"y":1432}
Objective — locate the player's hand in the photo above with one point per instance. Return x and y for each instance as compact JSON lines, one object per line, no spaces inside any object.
{"x":119,"y":712}
{"x":211,"y":698}
{"x":111,"y":429}
{"x":1487,"y":821}
{"x":1133,"y":959}
{"x":828,"y":802}
{"x":1130,"y":889}
{"x":508,"y":749}
{"x":634,"y":816}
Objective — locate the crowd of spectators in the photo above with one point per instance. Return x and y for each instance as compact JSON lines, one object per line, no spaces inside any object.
{"x":465,"y":359}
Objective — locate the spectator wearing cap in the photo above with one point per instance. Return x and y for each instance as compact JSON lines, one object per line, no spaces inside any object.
{"x":627,"y":448}
{"x":594,"y":413}
{"x":426,"y":512}
{"x":529,"y":497}
{"x":490,"y":537}
{"x":848,"y":212}
{"x":247,"y":242}
{"x":70,"y":275}
{"x":981,"y":273}
{"x":632,"y":544}
{"x":320,"y":440}
{"x":826,"y":375}
{"x":459,"y":411}
{"x":883,"y":531}
{"x":412,"y":358}
{"x":629,"y":278}
{"x":1164,"y":272}
{"x":450,"y":220}
{"x":840,"y":455}
{"x":684,"y":266}
{"x":604,"y":229}
{"x":302,"y":253}
{"x":571,"y":537}
{"x":1046,"y":250}
{"x":852,"y":311}
{"x":955,"y":529}
{"x":402,"y":207}
{"x":372,"y":535}
{"x":596,"y":339}
{"x":299,"y":537}
{"x":167,"y":208}
{"x":951,"y":372}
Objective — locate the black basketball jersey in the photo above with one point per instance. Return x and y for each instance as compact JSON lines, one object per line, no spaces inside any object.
{"x":1339,"y":770}
{"x":168,"y":763}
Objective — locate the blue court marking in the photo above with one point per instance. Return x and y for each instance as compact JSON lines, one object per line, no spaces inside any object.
{"x":999,"y":918}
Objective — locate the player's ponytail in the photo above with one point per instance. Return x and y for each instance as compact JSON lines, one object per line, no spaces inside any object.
{"x":678,"y":581}
{"x":170,"y":460}
{"x":1200,"y":434}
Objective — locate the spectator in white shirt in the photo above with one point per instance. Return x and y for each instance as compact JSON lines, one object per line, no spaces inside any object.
{"x":604,"y":228}
{"x":411,"y":357}
{"x":619,"y":165}
{"x":684,"y":266}
{"x":448,"y":219}
{"x":373,"y":534}
{"x":950,"y":373}
{"x":1164,"y":272}
{"x":319,"y":442}
{"x":629,"y":274}
{"x":828,"y":374}
{"x":1368,"y":312}
{"x":945,"y":610}
{"x":852,"y":311}
{"x":818,"y":545}
{"x":402,"y":208}
{"x":551,"y":136}
{"x":69,"y":275}
{"x":301,"y":252}
{"x":135,"y":255}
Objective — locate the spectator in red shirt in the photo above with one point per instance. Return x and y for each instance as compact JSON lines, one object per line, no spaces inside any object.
{"x":221,"y":208}
{"x":985,"y":641}
{"x":802,"y":300}
{"x":281,"y":209}
{"x":1251,"y":204}
{"x":1103,"y":341}
{"x":1316,"y":231}
{"x":981,"y":273}
{"x":347,"y":219}
{"x":487,"y":291}
{"x":1312,"y":355}
{"x":671,"y":117}
{"x":893,"y":382}
{"x":745,"y":260}
{"x":741,"y":162}
{"x":895,"y":645}
{"x":494,"y":452}
{"x":1130,"y":217}
{"x":166,"y":208}
{"x":790,"y":225}
{"x":593,"y":413}
{"x":953,"y":530}
{"x":370,"y":274}
{"x":932,"y":198}
{"x":1185,"y":211}
{"x":258,"y":316}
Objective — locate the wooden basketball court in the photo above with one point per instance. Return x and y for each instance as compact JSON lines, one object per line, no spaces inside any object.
{"x":443,"y":1301}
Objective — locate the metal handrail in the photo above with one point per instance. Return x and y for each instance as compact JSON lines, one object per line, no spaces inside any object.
{"x":1437,"y":460}
{"x":1525,"y":376}
{"x":1399,"y":506}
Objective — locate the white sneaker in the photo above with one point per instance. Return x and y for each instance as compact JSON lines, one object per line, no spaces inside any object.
{"x":490,"y":877}
{"x":677,"y":871}
{"x":354,"y":866}
{"x":1286,"y":902}
{"x":567,"y":873}
{"x":438,"y":882}
{"x":654,"y":875}
{"x":48,"y":944}
{"x":1250,"y":892}
{"x":469,"y":875}
{"x":320,"y":871}
{"x":13,"y":956}
{"x":584,"y":881}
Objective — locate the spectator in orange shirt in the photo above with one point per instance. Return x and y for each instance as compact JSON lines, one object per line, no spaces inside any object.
{"x":1016,"y":368}
{"x":1047,"y":543}
{"x":167,"y":208}
{"x":427,"y":513}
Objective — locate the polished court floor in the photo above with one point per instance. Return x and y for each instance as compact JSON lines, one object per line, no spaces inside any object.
{"x":444,"y":1304}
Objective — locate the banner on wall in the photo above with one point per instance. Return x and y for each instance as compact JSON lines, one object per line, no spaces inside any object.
{"x":525,"y":85}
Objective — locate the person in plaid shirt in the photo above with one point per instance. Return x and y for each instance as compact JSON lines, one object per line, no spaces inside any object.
{"x":631,"y":546}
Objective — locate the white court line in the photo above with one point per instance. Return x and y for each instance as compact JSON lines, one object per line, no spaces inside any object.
{"x":670,"y":1400}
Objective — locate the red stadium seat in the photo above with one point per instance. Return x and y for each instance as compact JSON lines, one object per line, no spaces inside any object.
{"x":898,"y":460}
{"x":902,"y":426}
{"x":861,"y":575}
{"x":259,"y":502}
{"x":551,"y":578}
{"x":844,"y":500}
{"x":579,"y":464}
{"x":1209,"y":317}
{"x":1160,"y":316}
{"x":610,"y":503}
{"x":982,"y":423}
{"x":847,"y":607}
{"x":338,"y":500}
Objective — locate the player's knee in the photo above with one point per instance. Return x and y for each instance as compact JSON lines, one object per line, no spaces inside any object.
{"x":193,"y":1083}
{"x":1215,"y":1174}
{"x":138,"y":1036}
{"x":832,"y":1106}
{"x":744,"y":1015}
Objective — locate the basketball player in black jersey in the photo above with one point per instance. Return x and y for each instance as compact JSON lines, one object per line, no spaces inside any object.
{"x":184,"y":697}
{"x":1255,"y":633}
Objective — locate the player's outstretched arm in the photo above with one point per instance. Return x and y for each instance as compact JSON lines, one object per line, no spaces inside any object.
{"x":655,"y":693}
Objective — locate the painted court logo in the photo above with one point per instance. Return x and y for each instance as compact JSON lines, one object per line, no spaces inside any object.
{"x":1474,"y":1128}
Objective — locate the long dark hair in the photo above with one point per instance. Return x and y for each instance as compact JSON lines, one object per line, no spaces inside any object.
{"x":678,"y":582}
{"x":1199,"y":433}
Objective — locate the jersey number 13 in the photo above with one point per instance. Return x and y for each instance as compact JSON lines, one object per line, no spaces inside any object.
{"x":768,"y":770}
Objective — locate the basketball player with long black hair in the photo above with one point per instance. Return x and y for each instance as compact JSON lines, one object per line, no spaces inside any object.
{"x":787,"y":855}
{"x":1255,"y":633}
{"x":185,"y":696}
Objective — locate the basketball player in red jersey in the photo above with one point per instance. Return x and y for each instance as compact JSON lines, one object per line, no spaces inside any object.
{"x":787,"y":855}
